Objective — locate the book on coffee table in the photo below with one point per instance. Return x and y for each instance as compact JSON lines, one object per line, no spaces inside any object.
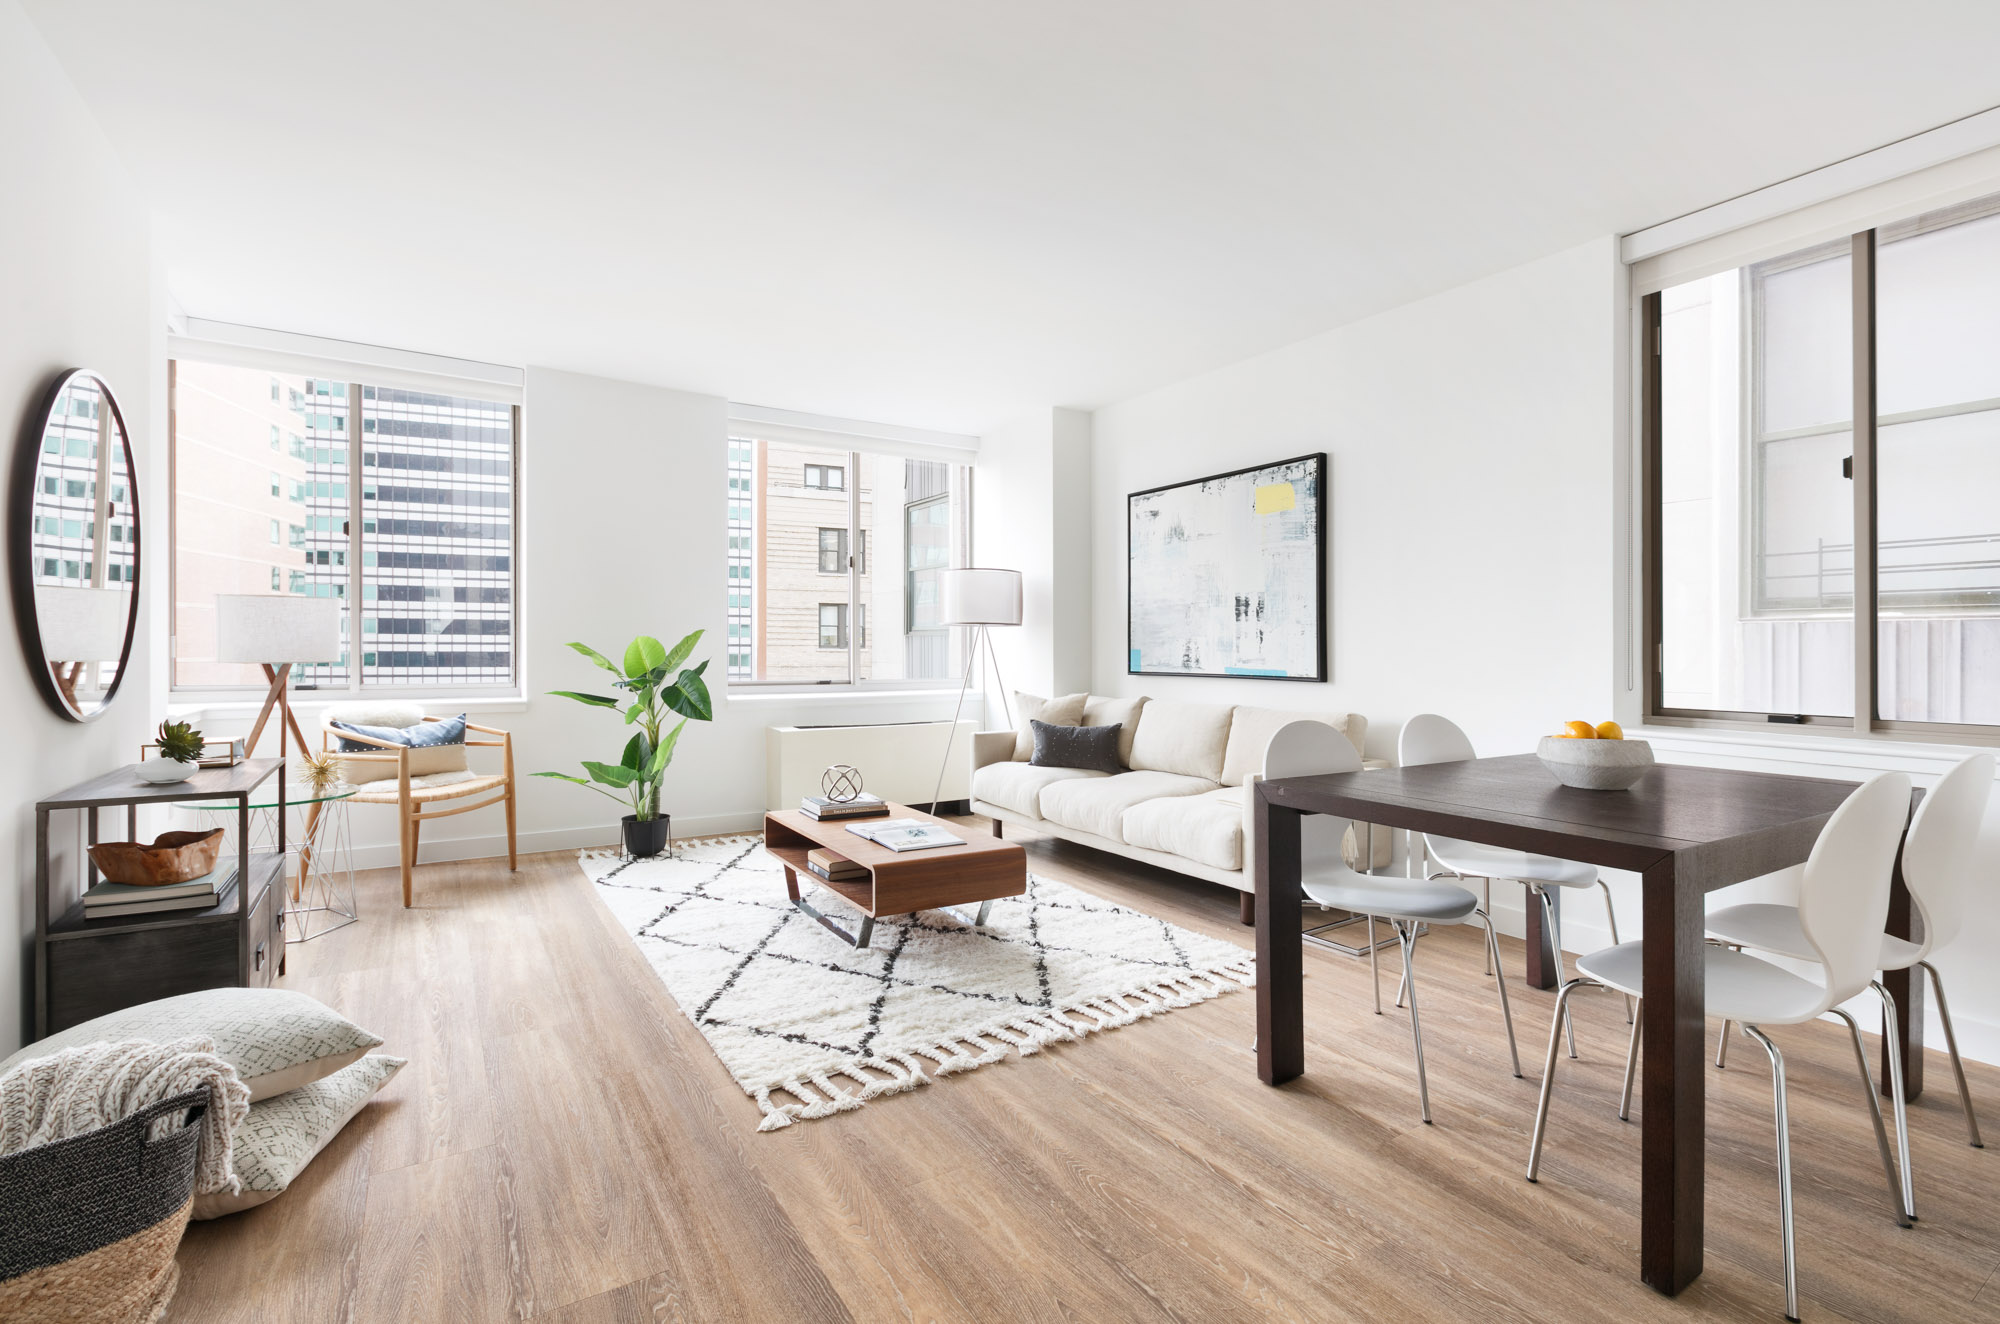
{"x":837,"y":868}
{"x":903,"y":834}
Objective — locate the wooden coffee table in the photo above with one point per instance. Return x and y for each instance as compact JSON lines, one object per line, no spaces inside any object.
{"x":898,"y":882}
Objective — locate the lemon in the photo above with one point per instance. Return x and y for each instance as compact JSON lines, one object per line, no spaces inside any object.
{"x":1610,"y":731}
{"x":1580,"y":731}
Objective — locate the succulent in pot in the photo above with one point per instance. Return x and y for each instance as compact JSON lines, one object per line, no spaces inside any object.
{"x":177,"y":751}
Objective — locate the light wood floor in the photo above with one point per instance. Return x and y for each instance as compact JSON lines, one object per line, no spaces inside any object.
{"x":564,"y":1147}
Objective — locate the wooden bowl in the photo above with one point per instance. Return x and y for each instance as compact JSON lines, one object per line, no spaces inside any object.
{"x":175,"y":857}
{"x":1595,"y":765}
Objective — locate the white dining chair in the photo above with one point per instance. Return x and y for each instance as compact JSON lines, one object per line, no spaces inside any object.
{"x":1299,"y":749}
{"x":1843,"y":904}
{"x":1939,"y":862}
{"x":1429,"y":738}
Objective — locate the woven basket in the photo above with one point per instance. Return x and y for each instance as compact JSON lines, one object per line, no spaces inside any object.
{"x":89,"y":1225}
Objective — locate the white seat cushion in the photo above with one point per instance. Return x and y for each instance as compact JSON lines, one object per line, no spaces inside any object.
{"x":1738,"y":986}
{"x":1205,"y":828}
{"x":1390,"y":897}
{"x":1182,"y":738}
{"x":1097,"y":805}
{"x":1776,"y":929}
{"x":1476,"y":861}
{"x":1017,"y":787}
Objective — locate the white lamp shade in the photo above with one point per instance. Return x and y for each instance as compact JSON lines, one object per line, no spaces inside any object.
{"x":976,"y":595}
{"x":257,"y":627}
{"x":82,"y":624}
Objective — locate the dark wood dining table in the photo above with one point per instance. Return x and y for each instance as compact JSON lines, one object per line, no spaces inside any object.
{"x":1685,"y":830}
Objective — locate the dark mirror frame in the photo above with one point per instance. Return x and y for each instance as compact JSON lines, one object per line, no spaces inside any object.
{"x":27,"y":465}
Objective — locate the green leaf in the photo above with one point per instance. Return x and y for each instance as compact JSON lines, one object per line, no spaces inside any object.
{"x":688,"y":696}
{"x":664,"y":755}
{"x":679,"y":653}
{"x":636,"y":751}
{"x":610,"y":775}
{"x":594,"y":700}
{"x":563,"y":777}
{"x":642,"y":655}
{"x":596,"y":657}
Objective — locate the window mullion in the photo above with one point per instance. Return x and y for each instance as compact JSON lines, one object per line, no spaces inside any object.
{"x":1865,"y":630}
{"x":853,"y":567}
{"x":354,"y":604}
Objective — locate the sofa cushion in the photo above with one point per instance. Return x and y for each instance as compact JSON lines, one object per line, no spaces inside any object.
{"x":1251,"y":729}
{"x":1182,"y":738}
{"x":1206,"y":828}
{"x":1122,"y":713}
{"x":1017,"y":787}
{"x":1098,"y":805}
{"x":1064,"y":711}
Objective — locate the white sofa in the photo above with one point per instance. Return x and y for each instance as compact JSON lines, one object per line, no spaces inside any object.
{"x":1183,"y":800}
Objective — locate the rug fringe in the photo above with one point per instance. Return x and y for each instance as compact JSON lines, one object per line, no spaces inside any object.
{"x":1024,"y":1035}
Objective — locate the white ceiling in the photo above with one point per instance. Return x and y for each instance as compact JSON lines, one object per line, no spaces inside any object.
{"x":937,"y":214}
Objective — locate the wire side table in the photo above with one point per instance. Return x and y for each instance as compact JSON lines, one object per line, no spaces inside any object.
{"x":322,"y":883}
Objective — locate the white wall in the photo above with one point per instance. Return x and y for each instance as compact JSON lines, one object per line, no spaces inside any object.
{"x":76,"y":283}
{"x":1470,"y":443}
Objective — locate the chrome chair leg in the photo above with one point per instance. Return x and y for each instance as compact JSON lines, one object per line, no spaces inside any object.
{"x":1892,"y":1044}
{"x":1784,"y":1168}
{"x":1406,"y":934}
{"x":1875,"y":1113}
{"x":1374,"y":969}
{"x":1506,"y":1012}
{"x":1631,"y":1069}
{"x":1611,"y":914}
{"x":1493,"y":949}
{"x":1555,"y":945}
{"x":1957,"y":1067}
{"x":1722,"y":1046}
{"x":1549,"y":1077}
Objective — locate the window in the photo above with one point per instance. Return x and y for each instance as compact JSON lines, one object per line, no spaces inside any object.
{"x":424,"y":540}
{"x":833,"y":625}
{"x":833,"y":551}
{"x":789,"y":546}
{"x":1797,"y":561}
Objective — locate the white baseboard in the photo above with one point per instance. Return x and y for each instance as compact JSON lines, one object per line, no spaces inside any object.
{"x":493,"y":845}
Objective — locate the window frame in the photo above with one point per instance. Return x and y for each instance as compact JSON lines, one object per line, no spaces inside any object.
{"x":358,"y":377}
{"x":1864,"y":611}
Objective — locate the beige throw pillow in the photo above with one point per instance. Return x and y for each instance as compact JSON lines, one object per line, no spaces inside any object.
{"x":1122,"y":713}
{"x":1066,"y":711}
{"x":276,"y":1039}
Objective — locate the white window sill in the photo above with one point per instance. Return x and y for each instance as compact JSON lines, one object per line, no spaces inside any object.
{"x":231,"y":709}
{"x":842,"y":694}
{"x":1803,"y":751}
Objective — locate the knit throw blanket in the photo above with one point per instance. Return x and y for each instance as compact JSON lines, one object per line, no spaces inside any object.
{"x":81,"y":1089}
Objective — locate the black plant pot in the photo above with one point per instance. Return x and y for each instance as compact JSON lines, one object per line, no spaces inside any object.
{"x":645,"y":840}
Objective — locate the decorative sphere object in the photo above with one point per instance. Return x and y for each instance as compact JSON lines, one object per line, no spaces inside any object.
{"x":840,"y":783}
{"x":1595,"y":765}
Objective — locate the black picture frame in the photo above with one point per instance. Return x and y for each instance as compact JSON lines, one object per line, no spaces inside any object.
{"x":1318,"y":461}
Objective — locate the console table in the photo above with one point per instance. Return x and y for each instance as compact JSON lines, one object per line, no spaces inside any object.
{"x":85,"y":968}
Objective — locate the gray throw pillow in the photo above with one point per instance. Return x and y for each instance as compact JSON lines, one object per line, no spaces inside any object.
{"x":1092,"y":748}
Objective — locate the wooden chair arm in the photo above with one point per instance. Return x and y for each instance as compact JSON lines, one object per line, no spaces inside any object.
{"x":485,"y":730}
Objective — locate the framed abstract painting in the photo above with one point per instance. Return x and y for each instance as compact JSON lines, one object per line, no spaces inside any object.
{"x":1226,"y":575}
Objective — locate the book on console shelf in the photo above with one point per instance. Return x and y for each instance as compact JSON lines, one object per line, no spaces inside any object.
{"x":107,"y":899}
{"x":833,"y":867}
{"x":862,"y":806}
{"x":901,"y":834}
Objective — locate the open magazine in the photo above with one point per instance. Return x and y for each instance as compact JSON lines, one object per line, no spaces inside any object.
{"x":900,"y":834}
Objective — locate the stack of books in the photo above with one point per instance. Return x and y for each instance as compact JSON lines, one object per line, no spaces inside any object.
{"x":108,"y":900}
{"x":821,"y":809}
{"x":834,"y":868}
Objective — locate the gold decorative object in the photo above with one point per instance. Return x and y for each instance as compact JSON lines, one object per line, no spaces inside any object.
{"x":319,"y":770}
{"x":174,"y":857}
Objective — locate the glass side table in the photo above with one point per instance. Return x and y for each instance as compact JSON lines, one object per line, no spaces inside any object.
{"x":322,"y":884}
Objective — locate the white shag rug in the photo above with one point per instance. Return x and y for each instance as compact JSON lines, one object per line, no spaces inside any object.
{"x":809,"y":1026}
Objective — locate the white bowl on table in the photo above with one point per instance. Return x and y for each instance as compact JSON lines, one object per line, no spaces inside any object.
{"x":1595,"y":765}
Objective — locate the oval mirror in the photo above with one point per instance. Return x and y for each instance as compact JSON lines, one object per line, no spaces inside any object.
{"x":76,"y":546}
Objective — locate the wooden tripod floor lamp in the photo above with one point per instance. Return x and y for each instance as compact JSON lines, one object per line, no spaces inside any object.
{"x":275,"y":632}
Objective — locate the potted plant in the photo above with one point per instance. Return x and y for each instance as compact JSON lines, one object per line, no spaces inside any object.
{"x":635,"y":779}
{"x":179,"y":750}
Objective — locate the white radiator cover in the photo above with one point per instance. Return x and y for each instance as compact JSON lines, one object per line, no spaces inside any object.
{"x":898,"y":761}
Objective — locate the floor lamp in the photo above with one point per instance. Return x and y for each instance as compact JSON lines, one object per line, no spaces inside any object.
{"x":979,"y":597}
{"x":275,"y":631}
